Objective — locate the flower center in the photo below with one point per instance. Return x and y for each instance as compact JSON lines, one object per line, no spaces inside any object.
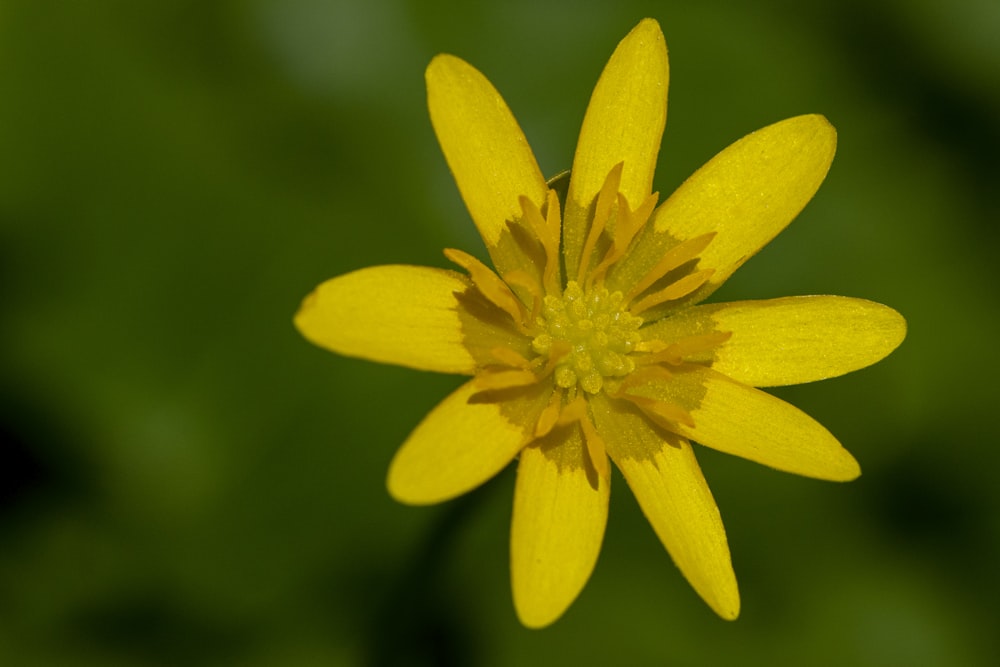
{"x":588,"y":336}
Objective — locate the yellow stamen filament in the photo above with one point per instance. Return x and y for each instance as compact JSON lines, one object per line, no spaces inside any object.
{"x":603,"y":210}
{"x":490,"y":286}
{"x":553,"y":220}
{"x":676,"y":352}
{"x":576,"y":411}
{"x":630,"y":224}
{"x":596,"y":449}
{"x":627,"y":225}
{"x":668,"y":355}
{"x":655,"y":408}
{"x":676,"y":290}
{"x":558,"y":351}
{"x":496,"y":380}
{"x":549,"y":416}
{"x":509,"y":357}
{"x":519,"y":278}
{"x":692,"y":345}
{"x":663,"y":409}
{"x":672,"y":259}
{"x":583,"y":335}
{"x":641,"y":376}
{"x":546,"y":229}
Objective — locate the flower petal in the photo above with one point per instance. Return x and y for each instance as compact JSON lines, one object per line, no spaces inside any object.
{"x":624,"y":123}
{"x":665,"y":477}
{"x":790,"y":340}
{"x":560,"y":511}
{"x":734,"y":418}
{"x":462,"y":443}
{"x":747,"y":194}
{"x":485,"y":148}
{"x":406,"y":315}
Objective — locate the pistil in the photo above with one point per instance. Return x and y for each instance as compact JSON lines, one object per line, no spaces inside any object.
{"x":592,"y":333}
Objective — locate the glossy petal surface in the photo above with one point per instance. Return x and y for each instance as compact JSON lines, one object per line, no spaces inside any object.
{"x":560,"y":511}
{"x":462,"y":443}
{"x":737,"y":419}
{"x":667,"y":481}
{"x":405,"y":315}
{"x":624,"y":123}
{"x":485,"y":148}
{"x":791,"y":340}
{"x":745,"y":195}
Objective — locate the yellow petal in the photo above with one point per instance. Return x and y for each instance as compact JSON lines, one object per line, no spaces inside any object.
{"x":624,"y":123}
{"x":485,"y":148}
{"x":747,"y":194}
{"x":560,"y":511}
{"x":791,"y":340}
{"x":734,"y":418}
{"x":406,"y":315}
{"x":673,"y":494}
{"x":461,"y":444}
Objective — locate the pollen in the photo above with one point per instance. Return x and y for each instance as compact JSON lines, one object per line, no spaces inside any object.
{"x":588,"y":336}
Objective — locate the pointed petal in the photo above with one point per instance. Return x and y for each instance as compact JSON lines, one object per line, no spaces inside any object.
{"x":624,"y":123}
{"x":462,"y":443}
{"x":747,"y":194}
{"x":791,"y":340}
{"x":734,"y":418}
{"x":560,"y":511}
{"x":406,"y":315}
{"x":485,"y":148}
{"x":665,"y":477}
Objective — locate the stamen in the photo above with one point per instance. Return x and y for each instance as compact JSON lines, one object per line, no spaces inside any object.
{"x":641,"y":376}
{"x":557,"y":351}
{"x":496,"y":380}
{"x":603,"y":209}
{"x":673,"y":258}
{"x":692,"y":345}
{"x":549,"y":416}
{"x":547,"y":231}
{"x":519,"y":278}
{"x":596,"y":449}
{"x":509,"y":357}
{"x":677,"y":351}
{"x":668,"y":355}
{"x":627,"y":226}
{"x":676,"y":290}
{"x":553,"y":220}
{"x":662,"y":409}
{"x":576,"y":411}
{"x":490,"y":286}
{"x":656,"y":409}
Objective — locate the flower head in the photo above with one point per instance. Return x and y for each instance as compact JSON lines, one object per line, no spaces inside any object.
{"x":587,"y":344}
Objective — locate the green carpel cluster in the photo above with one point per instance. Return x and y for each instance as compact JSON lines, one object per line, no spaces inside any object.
{"x":592,"y":335}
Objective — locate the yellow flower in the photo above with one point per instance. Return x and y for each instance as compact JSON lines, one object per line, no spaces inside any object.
{"x":586,"y":342}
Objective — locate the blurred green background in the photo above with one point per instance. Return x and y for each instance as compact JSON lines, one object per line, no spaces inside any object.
{"x":185,"y":481}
